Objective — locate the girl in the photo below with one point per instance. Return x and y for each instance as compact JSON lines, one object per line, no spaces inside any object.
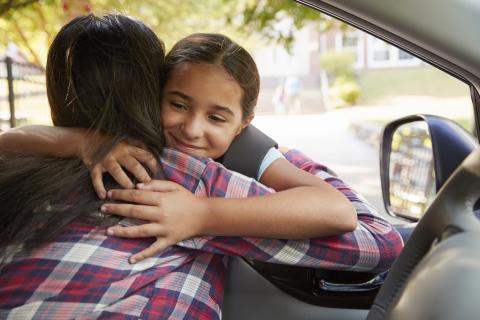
{"x":103,"y":74}
{"x":210,"y":88}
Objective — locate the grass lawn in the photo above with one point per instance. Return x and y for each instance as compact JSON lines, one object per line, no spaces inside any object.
{"x":380,"y":85}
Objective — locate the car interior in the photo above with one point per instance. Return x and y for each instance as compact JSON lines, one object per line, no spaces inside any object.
{"x":430,"y":185}
{"x":430,"y":177}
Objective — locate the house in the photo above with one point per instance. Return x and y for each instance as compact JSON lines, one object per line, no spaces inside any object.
{"x":276,"y":64}
{"x":370,"y":52}
{"x":303,"y":60}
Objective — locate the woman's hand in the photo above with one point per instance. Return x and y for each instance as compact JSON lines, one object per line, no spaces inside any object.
{"x":128,"y":155}
{"x":174,"y":213}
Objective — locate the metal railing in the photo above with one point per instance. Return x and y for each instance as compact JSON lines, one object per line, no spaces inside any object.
{"x":14,"y":72}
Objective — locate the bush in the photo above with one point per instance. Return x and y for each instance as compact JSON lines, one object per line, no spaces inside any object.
{"x":338,"y":64}
{"x":344,"y":92}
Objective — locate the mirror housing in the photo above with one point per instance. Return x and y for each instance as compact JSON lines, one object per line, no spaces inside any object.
{"x":450,"y":145}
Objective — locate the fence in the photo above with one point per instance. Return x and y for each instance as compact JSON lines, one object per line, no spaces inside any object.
{"x":19,"y":81}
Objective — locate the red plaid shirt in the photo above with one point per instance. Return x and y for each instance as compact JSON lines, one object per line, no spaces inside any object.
{"x":85,"y":274}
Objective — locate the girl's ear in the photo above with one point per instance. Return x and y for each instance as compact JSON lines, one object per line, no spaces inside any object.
{"x":247,"y":121}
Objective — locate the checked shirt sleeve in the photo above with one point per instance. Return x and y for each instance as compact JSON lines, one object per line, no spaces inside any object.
{"x":372,"y":247}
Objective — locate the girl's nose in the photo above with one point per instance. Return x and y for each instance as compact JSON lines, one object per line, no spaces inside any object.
{"x":193,"y":128}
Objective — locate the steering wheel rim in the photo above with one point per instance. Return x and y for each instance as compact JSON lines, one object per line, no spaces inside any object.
{"x":450,"y":212}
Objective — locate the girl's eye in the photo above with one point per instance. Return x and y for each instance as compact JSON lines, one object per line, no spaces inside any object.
{"x":217,"y":118}
{"x":178,"y":106}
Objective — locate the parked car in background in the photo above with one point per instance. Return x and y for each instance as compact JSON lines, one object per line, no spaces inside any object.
{"x":430,"y":173}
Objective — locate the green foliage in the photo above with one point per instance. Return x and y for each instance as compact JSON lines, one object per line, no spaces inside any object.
{"x":274,"y":20}
{"x":32,"y":24}
{"x":338,"y":64}
{"x":345,"y":90}
{"x":10,"y":5}
{"x":30,"y":27}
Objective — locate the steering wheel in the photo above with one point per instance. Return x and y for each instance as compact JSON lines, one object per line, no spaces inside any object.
{"x":445,"y":244}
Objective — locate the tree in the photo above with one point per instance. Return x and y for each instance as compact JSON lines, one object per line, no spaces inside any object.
{"x":264,"y":16}
{"x":10,"y":5}
{"x":277,"y":20}
{"x":32,"y":24}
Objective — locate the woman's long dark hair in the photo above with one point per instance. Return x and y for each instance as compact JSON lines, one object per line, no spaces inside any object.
{"x":103,"y":73}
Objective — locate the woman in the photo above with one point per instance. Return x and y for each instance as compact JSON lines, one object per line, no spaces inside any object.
{"x":67,"y":266}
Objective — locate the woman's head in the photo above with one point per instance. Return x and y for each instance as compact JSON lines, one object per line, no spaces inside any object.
{"x":103,"y":73}
{"x":210,"y":89}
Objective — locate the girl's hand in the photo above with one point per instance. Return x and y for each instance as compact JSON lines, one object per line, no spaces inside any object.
{"x":174,"y":213}
{"x":125,"y":155}
{"x":283,"y":149}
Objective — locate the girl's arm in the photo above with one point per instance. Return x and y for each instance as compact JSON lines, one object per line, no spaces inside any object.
{"x":298,"y":213}
{"x":44,"y":140}
{"x":305,"y":207}
{"x":82,"y":143}
{"x":372,"y":246}
{"x":322,"y":209}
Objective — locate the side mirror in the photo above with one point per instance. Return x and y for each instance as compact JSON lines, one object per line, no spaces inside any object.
{"x":418,"y":154}
{"x":411,"y":174}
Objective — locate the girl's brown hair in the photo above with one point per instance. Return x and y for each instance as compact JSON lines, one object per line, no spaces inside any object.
{"x":218,"y":49}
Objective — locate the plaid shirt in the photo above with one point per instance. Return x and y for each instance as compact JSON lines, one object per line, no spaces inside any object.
{"x":85,"y":274}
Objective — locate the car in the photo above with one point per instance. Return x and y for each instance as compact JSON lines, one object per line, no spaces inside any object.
{"x":430,"y":175}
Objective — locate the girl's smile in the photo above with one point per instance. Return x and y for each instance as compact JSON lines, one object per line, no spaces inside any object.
{"x":183,"y":146}
{"x":201,"y":110}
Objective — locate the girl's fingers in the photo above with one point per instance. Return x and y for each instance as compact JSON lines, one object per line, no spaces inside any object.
{"x":150,"y":198}
{"x":119,"y":175}
{"x":136,"y":168}
{"x":136,"y":143}
{"x":160,"y":185}
{"x":132,"y":211}
{"x":158,"y":246}
{"x":141,"y":231}
{"x":96,"y":175}
{"x":144,"y":157}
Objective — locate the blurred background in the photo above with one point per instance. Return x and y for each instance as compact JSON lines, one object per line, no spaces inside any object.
{"x":326,"y":88}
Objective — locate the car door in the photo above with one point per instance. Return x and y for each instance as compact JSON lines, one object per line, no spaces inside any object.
{"x":436,"y":43}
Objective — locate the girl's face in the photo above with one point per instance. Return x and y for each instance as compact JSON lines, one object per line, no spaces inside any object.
{"x":201,"y":110}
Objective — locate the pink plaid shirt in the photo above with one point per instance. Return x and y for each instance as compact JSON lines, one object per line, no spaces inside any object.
{"x":85,"y":274}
